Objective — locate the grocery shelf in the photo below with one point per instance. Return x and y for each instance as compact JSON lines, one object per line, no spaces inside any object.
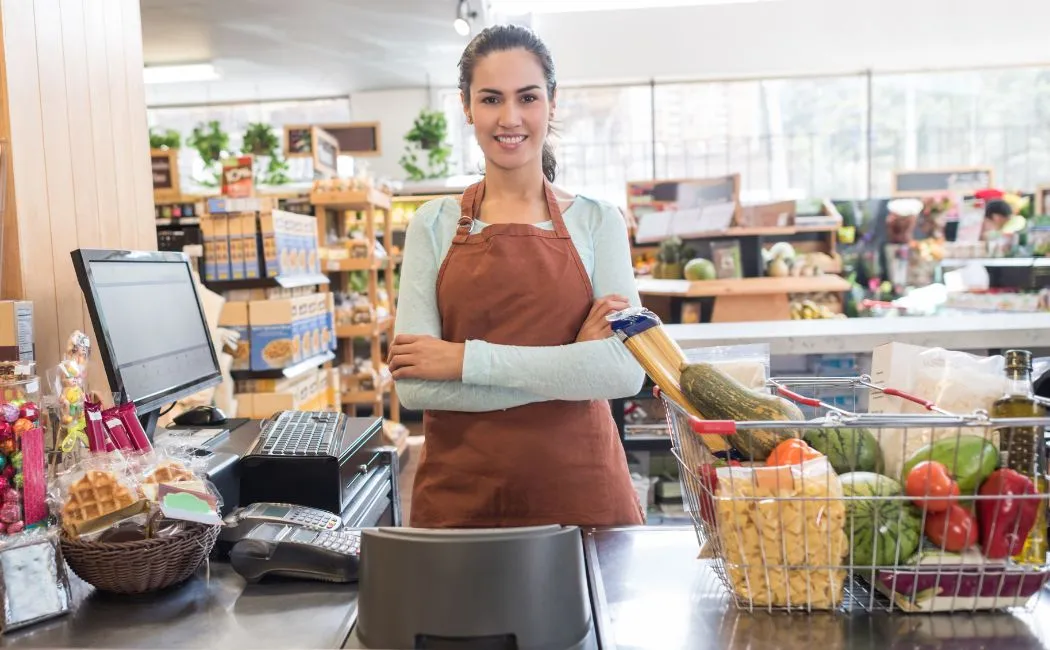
{"x":358,"y":264}
{"x":286,"y":281}
{"x":997,"y":261}
{"x":178,"y":221}
{"x":367,"y":396}
{"x":742,"y":286}
{"x":364,"y":330}
{"x":352,"y":200}
{"x":291,"y":372}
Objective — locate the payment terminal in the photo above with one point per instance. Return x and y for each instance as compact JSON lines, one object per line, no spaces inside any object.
{"x":294,"y":551}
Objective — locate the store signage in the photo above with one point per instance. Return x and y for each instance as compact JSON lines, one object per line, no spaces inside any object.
{"x":356,"y":138}
{"x":684,"y":207}
{"x":325,"y":153}
{"x":961,"y":181}
{"x":164,"y":164}
{"x":298,"y":141}
{"x":237,"y":180}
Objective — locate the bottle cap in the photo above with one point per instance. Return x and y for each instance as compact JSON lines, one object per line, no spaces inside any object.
{"x":1019,"y":360}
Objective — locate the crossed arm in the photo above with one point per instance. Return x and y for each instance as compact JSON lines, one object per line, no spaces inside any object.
{"x":482,"y":376}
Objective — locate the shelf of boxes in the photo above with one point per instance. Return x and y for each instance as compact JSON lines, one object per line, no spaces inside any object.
{"x":265,"y":262}
{"x":373,"y":210}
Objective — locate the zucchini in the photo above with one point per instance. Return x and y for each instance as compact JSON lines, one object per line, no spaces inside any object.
{"x":717,"y":396}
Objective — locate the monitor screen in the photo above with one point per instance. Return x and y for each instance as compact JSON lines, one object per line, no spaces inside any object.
{"x":152,"y":331}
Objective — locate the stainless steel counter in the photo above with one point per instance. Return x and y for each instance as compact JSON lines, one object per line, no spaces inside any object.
{"x":651,"y":591}
{"x":208,"y":611}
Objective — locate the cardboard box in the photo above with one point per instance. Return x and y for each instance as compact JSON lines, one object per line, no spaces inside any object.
{"x":289,"y":244}
{"x":767,"y":215}
{"x":226,"y":205}
{"x":208,"y":235}
{"x":16,"y":331}
{"x":236,"y":247}
{"x":250,"y":244}
{"x":220,"y":233}
{"x":234,"y":316}
{"x":272,"y":332}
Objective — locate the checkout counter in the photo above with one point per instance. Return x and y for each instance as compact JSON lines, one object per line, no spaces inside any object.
{"x":557,"y":588}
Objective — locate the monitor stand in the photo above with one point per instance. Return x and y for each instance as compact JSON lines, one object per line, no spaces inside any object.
{"x":149,"y":423}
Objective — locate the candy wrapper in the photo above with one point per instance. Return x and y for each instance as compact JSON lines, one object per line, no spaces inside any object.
{"x":33,"y":579}
{"x":130,"y":418}
{"x":115,"y":429}
{"x":98,"y":441}
{"x":68,"y":381}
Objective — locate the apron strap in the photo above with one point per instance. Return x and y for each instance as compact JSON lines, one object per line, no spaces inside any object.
{"x":555,"y":210}
{"x":469,"y":204}
{"x":470,"y":207}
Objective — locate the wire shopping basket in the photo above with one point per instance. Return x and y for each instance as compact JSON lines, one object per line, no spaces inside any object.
{"x":845,"y":529}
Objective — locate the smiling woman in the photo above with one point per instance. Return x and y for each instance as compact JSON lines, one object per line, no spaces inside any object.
{"x":501,"y":334}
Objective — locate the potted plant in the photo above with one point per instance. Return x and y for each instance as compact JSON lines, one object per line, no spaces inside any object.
{"x":169,"y":139}
{"x":261,"y":141}
{"x":671,"y":259}
{"x":428,"y":134}
{"x":212,"y":143}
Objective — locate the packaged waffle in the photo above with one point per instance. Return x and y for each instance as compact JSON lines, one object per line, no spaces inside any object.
{"x":97,"y":493}
{"x":34,"y":585}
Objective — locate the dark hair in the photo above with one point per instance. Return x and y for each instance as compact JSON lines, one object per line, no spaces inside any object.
{"x":501,"y":38}
{"x":997,"y":207}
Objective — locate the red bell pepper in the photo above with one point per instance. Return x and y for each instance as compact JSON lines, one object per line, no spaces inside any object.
{"x":1005,"y":520}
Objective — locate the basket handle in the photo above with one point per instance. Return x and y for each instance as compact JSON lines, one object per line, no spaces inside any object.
{"x":795,"y":397}
{"x":712,"y":427}
{"x":925,"y":403}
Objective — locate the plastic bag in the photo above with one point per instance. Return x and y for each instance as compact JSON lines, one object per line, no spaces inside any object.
{"x":782,"y":534}
{"x":33,"y":579}
{"x":98,"y":492}
{"x":748,"y":364}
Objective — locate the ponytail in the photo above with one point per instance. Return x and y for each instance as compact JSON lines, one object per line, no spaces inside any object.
{"x":550,"y":165}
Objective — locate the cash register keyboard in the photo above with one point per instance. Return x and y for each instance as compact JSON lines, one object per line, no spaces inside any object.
{"x":300,"y":433}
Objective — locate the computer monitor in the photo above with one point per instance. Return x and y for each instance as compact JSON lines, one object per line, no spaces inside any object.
{"x":150,"y":327}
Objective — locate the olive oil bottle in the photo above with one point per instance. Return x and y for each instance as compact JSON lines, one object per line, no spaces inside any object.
{"x":1022,"y":448}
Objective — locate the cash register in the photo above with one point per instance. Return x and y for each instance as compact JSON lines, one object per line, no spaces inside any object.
{"x":156,"y":346}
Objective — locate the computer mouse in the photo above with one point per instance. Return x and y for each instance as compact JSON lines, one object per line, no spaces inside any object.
{"x":200,"y":416}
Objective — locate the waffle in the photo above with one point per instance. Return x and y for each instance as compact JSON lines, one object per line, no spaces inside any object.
{"x":97,"y":493}
{"x":169,"y":472}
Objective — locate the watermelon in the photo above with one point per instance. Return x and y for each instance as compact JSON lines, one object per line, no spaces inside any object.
{"x":847,"y":449}
{"x":869,"y":484}
{"x":700,"y":269}
{"x":882,"y":532}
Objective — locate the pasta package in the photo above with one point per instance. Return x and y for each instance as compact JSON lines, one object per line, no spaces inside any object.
{"x":660,"y":356}
{"x":782,"y":534}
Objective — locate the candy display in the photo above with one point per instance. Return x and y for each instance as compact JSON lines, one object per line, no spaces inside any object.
{"x":68,"y":381}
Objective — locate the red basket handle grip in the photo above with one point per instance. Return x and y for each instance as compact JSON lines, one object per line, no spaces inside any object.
{"x":925,"y":403}
{"x":795,"y":397}
{"x":712,"y":427}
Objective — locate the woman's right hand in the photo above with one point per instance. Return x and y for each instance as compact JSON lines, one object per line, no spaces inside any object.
{"x":595,"y":327}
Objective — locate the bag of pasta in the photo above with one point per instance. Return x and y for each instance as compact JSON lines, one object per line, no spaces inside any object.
{"x":781,"y":534}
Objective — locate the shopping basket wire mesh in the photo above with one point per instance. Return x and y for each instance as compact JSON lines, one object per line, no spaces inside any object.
{"x":809,"y":536}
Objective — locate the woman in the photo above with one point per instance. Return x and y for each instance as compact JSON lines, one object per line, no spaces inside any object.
{"x":501,"y":334}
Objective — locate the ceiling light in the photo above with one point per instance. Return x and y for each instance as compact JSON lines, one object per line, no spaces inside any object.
{"x":166,"y":74}
{"x":464,"y":16}
{"x":521,"y":7}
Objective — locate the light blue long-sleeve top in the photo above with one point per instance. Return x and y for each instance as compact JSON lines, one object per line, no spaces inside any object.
{"x":497,"y":377}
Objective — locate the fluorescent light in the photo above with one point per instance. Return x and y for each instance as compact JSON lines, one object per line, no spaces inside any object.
{"x":521,"y":7}
{"x":166,"y":74}
{"x":462,"y":27}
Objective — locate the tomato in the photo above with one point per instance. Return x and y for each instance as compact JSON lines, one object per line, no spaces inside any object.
{"x":793,"y":451}
{"x":954,"y":529}
{"x":931,"y":486}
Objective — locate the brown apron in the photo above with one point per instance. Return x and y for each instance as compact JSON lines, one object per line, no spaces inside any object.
{"x":555,"y":462}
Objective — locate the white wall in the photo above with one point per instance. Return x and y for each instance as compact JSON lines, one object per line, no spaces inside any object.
{"x":790,"y":37}
{"x":395,"y":110}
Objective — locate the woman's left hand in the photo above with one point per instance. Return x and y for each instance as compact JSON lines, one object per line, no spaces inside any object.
{"x":426,"y":357}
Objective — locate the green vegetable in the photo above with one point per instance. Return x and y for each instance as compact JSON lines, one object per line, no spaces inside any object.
{"x":848,"y":450}
{"x":970,"y":459}
{"x":717,"y":396}
{"x":869,"y":484}
{"x":882,"y":532}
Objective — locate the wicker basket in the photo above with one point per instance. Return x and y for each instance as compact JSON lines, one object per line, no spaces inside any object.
{"x":140,"y":566}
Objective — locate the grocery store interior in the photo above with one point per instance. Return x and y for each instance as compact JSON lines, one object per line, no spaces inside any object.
{"x":825,"y":228}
